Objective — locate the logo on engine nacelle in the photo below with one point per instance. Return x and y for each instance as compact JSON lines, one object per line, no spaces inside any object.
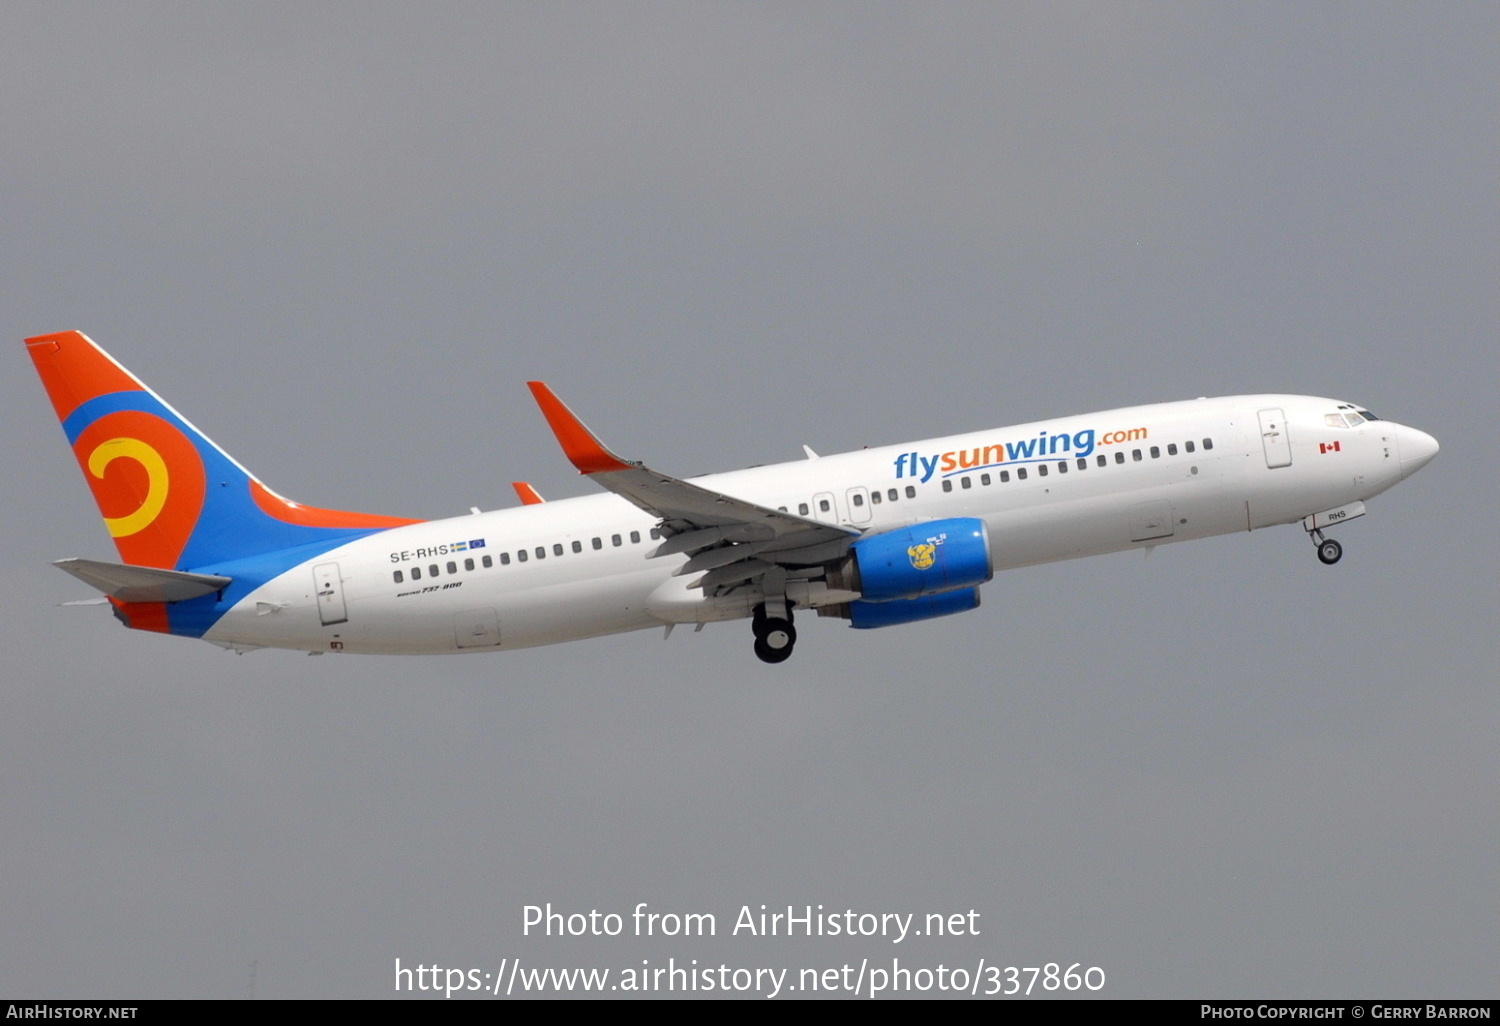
{"x":922,"y":556}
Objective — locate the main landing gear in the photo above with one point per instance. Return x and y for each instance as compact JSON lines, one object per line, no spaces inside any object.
{"x":774,"y":634}
{"x":1329,"y":551}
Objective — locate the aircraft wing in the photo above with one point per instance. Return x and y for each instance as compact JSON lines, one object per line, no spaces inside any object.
{"x":731,"y":539}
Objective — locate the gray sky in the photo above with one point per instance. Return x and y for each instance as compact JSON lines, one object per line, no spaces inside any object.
{"x":339,"y":238}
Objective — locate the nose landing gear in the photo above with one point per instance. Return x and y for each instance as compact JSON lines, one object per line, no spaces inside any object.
{"x":1329,"y":551}
{"x":774,"y":634}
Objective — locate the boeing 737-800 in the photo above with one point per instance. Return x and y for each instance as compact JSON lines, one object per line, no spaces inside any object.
{"x":878,"y":537}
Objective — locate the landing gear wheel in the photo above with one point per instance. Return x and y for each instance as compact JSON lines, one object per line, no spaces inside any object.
{"x":776,"y":633}
{"x":766,"y":654}
{"x":774,"y":636}
{"x":1330,"y":551}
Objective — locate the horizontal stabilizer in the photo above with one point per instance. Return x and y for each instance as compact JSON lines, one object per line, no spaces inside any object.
{"x":142,"y":583}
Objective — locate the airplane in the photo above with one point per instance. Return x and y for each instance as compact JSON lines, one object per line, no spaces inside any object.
{"x":878,"y":537}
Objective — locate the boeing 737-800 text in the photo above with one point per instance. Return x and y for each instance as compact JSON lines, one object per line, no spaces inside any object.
{"x":879,"y":537}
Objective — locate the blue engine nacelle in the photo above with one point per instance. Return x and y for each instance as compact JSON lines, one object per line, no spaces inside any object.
{"x":866,"y":615}
{"x":925,"y":559}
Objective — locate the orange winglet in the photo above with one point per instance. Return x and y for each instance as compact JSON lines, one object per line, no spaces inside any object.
{"x":578,"y":442}
{"x":529,"y":495}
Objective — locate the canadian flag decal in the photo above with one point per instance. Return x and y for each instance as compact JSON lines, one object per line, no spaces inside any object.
{"x":1330,"y":446}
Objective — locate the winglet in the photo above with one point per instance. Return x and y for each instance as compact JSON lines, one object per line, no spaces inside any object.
{"x":529,"y":495}
{"x":585,"y":451}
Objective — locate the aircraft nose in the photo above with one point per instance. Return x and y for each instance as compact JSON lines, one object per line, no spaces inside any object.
{"x":1417,"y":448}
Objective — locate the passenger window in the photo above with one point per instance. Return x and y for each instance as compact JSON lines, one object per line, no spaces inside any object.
{"x":892,"y":495}
{"x":1004,"y":476}
{"x":984,"y":479}
{"x":635,"y":537}
{"x":486,"y":562}
{"x":398,"y":577}
{"x":857,"y":500}
{"x":782,"y":508}
{"x":598,"y":543}
{"x":1062,"y":467}
{"x":874,"y":497}
{"x":947,"y":486}
{"x":1041,"y":470}
{"x":521,"y":555}
{"x":1083,"y":464}
{"x":1188,"y":446}
{"x":911,"y":491}
{"x":557,"y":549}
{"x":614,"y":540}
{"x":1135,"y":454}
{"x":1208,"y":443}
{"x":416,"y":573}
{"x":578,"y":546}
{"x":1155,"y":452}
{"x":1119,"y":457}
{"x":656,"y":532}
{"x":468,"y":564}
{"x":823,"y":505}
{"x":1172,"y":449}
{"x":966,"y":483}
{"x":452,"y":567}
{"x":432,"y":571}
{"x":1102,"y":460}
{"x":802,"y":509}
{"x":541,"y":552}
{"x":505,"y":559}
{"x":1021,"y":474}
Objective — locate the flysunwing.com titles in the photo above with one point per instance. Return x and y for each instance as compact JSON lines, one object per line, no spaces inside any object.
{"x":1031,"y":450}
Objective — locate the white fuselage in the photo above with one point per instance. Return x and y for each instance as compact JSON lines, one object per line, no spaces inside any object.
{"x":1052,"y":490}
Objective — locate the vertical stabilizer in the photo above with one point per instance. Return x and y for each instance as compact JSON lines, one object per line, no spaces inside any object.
{"x":169,"y":496}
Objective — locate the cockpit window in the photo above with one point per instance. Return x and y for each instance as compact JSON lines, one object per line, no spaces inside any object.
{"x":1334,"y":420}
{"x":1368,"y":415}
{"x":1354,"y":419}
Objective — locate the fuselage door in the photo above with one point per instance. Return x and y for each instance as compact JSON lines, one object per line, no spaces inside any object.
{"x":330,"y":588}
{"x":859,"y":505}
{"x":1274,"y":438}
